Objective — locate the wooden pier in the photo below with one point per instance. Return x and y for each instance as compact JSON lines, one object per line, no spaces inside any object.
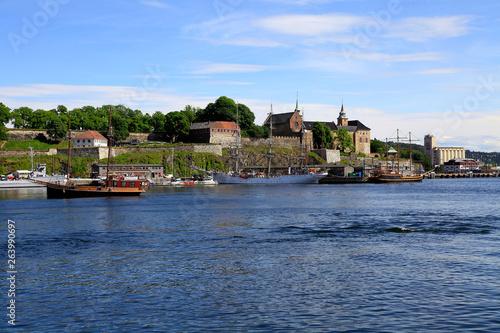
{"x":431,"y":175}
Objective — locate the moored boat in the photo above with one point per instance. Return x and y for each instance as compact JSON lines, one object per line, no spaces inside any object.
{"x":305,"y":178}
{"x":302,"y":176}
{"x":386,"y":175}
{"x":393,"y":176}
{"x":111,"y":186}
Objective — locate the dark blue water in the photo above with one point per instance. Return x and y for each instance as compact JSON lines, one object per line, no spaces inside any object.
{"x":361,"y":258}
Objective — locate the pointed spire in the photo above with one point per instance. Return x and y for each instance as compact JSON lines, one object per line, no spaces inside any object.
{"x":342,"y":112}
{"x":297,"y":102}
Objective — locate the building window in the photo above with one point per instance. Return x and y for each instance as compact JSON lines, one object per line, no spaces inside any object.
{"x":366,"y":140}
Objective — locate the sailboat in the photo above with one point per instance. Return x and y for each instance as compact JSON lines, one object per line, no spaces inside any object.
{"x":388,"y":175}
{"x":304,"y":176}
{"x":113,"y":185}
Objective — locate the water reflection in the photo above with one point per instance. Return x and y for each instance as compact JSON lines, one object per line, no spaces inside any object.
{"x":23,"y":193}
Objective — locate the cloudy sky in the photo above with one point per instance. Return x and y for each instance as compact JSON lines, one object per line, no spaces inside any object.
{"x":421,"y":66}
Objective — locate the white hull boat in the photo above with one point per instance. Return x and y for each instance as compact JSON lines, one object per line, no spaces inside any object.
{"x":309,"y":178}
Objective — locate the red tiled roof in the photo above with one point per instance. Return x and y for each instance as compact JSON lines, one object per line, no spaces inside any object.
{"x":225,"y":125}
{"x":216,"y":124}
{"x":90,"y":135}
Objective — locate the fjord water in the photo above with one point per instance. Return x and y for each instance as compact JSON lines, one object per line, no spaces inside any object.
{"x":362,"y":258}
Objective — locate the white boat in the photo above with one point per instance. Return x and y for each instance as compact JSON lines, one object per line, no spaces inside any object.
{"x":195,"y":181}
{"x":14,"y":181}
{"x":307,"y":178}
{"x":303,"y":176}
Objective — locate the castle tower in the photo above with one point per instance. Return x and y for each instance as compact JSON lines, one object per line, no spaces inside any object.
{"x":342,"y":119}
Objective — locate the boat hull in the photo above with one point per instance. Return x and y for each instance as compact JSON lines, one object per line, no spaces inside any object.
{"x":395,"y":179}
{"x":64,"y":192}
{"x":223,"y":178}
{"x":343,"y":180}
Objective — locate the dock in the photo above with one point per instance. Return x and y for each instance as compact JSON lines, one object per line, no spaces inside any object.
{"x":431,"y":175}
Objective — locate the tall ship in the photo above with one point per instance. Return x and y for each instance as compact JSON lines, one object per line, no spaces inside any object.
{"x":391,"y":175}
{"x":111,"y":186}
{"x":302,"y":176}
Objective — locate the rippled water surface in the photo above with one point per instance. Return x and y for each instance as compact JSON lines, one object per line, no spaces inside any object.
{"x":364,"y":257}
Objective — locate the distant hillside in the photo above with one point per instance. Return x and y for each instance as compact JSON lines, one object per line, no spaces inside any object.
{"x":406,"y":146}
{"x":487,"y":158}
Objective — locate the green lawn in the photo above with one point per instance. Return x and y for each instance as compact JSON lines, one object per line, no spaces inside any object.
{"x":35,"y":144}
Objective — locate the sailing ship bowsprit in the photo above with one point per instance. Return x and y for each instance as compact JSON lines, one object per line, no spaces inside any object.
{"x":113,"y":185}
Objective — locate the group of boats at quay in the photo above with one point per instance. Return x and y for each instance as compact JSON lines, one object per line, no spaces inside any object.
{"x":64,"y":186}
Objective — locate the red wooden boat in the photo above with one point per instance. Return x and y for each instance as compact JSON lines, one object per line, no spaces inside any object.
{"x":112,"y":186}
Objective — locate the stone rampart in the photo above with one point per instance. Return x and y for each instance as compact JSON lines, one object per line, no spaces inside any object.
{"x":329,"y":155}
{"x":102,"y":152}
{"x":41,"y":135}
{"x":287,"y":142}
{"x":20,"y":134}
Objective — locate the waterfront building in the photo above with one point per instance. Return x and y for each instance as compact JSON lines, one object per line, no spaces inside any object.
{"x":144,"y":170}
{"x":90,"y":139}
{"x":461,"y":165}
{"x":439,"y":155}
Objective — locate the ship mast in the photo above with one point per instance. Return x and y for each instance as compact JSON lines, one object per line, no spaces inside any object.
{"x":387,"y":155}
{"x":270,"y":141}
{"x":68,"y":171}
{"x":409,"y":135}
{"x":398,"y":148}
{"x":238,"y":134}
{"x":110,"y":137}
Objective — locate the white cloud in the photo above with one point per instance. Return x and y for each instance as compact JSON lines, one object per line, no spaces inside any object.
{"x":220,"y":68}
{"x":310,"y":25}
{"x":49,"y":96}
{"x":302,"y":2}
{"x":232,"y":83}
{"x":154,"y":3}
{"x":419,"y":29}
{"x":385,"y":57}
{"x":250,"y":41}
{"x":439,"y":71}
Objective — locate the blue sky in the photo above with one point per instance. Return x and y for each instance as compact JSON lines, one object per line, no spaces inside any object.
{"x":421,"y":66}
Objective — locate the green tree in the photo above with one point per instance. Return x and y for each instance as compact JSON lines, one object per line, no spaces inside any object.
{"x":224,"y":109}
{"x":176,"y":124}
{"x":56,"y":128}
{"x":4,"y":113}
{"x":4,"y":132}
{"x":61,"y":109}
{"x":246,"y":117}
{"x":417,"y":157}
{"x":344,"y":140}
{"x":190,"y":112}
{"x":22,"y":117}
{"x":4,"y":118}
{"x":322,"y":135}
{"x":158,"y":122}
{"x":377,"y":146}
{"x":120,"y":127}
{"x":257,"y":131}
{"x":40,"y":118}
